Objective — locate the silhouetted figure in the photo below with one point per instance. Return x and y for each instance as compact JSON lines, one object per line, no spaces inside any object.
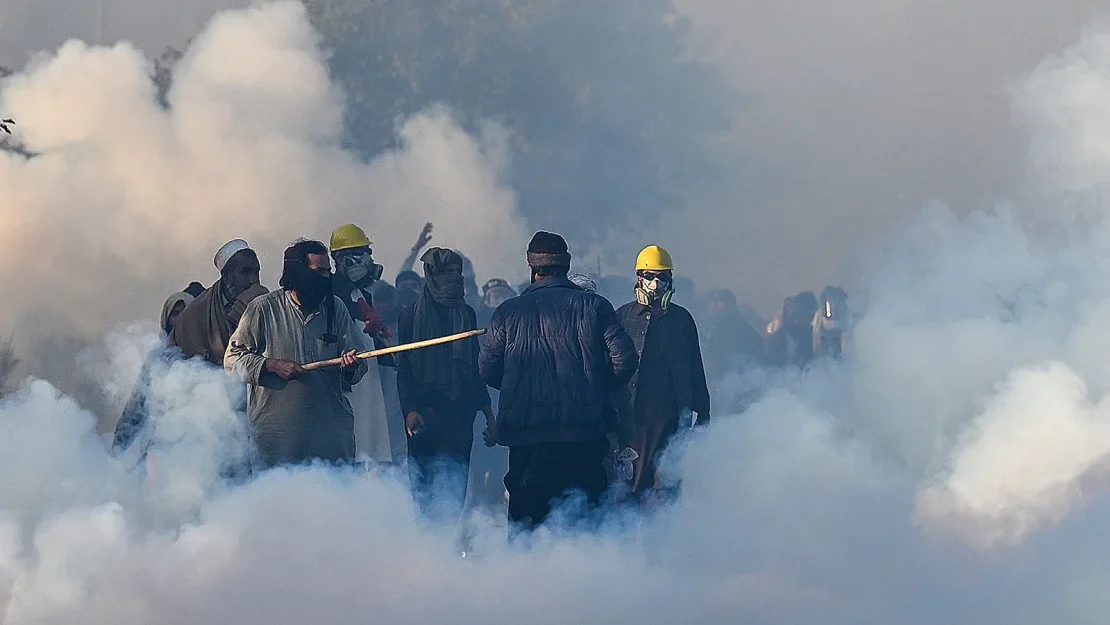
{"x":789,"y":339}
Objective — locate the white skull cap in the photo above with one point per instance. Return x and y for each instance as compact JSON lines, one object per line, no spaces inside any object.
{"x":231,"y":248}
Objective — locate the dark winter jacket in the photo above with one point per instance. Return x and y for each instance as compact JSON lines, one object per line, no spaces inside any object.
{"x":555,"y":352}
{"x":683,"y":351}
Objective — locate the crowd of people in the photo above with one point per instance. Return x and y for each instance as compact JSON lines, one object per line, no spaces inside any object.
{"x":585,"y":396}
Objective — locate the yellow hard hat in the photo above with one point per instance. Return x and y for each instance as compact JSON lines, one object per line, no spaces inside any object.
{"x":348,"y":236}
{"x":654,"y":258}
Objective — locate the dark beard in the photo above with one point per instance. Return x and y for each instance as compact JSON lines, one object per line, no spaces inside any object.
{"x":232,"y":290}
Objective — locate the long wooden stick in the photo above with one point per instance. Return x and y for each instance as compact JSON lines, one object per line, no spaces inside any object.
{"x":397,"y":348}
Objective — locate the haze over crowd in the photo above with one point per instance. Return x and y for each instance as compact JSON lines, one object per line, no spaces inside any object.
{"x":945,"y":162}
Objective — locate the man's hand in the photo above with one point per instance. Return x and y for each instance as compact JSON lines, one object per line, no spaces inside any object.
{"x":424,"y":238}
{"x":489,"y":434}
{"x":285,"y":369}
{"x":414,"y":424}
{"x":348,"y":360}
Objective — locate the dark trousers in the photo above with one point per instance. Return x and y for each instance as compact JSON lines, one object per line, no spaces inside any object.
{"x":439,"y":464}
{"x":540,"y":474}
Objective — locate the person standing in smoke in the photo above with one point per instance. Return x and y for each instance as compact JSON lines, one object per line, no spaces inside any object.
{"x":789,"y":338}
{"x":205,"y":326}
{"x":172,"y":308}
{"x":669,"y":387}
{"x":355,"y":275}
{"x":133,"y":421}
{"x":494,"y":292}
{"x":409,"y":287}
{"x":297,"y":415}
{"x":830,"y":323}
{"x":440,"y":389}
{"x":732,"y":343}
{"x":555,"y":353}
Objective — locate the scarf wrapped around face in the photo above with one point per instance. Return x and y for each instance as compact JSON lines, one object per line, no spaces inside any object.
{"x":440,"y":311}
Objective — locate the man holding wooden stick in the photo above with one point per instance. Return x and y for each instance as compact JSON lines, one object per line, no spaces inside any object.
{"x":297,"y":413}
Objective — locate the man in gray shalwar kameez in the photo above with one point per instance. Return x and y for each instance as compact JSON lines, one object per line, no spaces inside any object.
{"x":296,"y":415}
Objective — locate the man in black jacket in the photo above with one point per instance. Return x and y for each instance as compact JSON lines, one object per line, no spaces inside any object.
{"x":555,"y":353}
{"x":669,"y":386}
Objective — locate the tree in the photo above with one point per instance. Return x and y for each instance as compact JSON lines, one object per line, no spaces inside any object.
{"x":609,"y":111}
{"x":163,"y":72}
{"x":8,"y":363}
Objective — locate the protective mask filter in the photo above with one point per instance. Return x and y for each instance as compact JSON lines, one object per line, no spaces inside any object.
{"x":360,"y":269}
{"x":654,"y":291}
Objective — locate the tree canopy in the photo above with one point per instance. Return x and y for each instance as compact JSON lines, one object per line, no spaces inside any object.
{"x":609,"y":111}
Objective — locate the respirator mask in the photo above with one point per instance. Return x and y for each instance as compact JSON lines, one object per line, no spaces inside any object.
{"x":358,"y":267}
{"x":654,"y":287}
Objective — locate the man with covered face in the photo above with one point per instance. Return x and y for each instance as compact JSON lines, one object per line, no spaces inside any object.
{"x":669,"y":387}
{"x":440,"y":389}
{"x":356,"y":273}
{"x":297,"y":415}
{"x":205,"y":326}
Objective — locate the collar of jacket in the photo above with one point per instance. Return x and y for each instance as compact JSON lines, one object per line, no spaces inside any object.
{"x":556,"y":282}
{"x":644,"y":310}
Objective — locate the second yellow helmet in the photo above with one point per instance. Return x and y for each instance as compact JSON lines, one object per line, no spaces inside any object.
{"x":654,"y":258}
{"x":348,"y":236}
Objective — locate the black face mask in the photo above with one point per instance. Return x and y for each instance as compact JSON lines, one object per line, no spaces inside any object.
{"x":318,"y":288}
{"x":311,"y":287}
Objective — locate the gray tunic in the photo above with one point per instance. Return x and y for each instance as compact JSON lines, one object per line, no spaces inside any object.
{"x":305,"y":418}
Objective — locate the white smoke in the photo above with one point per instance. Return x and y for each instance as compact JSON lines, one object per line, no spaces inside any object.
{"x":973,"y":403}
{"x":127,"y":194}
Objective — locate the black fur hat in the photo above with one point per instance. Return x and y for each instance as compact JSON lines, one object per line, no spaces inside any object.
{"x":547,"y":249}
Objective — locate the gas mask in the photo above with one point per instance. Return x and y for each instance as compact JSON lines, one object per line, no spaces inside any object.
{"x":654,"y":288}
{"x":359,"y":267}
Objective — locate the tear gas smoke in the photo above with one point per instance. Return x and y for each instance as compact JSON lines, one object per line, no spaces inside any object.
{"x":972,"y":407}
{"x":128,"y":200}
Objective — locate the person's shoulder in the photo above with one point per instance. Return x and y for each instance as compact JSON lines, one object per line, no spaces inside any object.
{"x":681,"y":313}
{"x":679,"y":310}
{"x":624,"y":309}
{"x":251,"y":294}
{"x":265,"y":302}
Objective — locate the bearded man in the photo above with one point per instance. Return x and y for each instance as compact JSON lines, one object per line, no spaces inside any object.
{"x":296,"y":415}
{"x":206,"y":324}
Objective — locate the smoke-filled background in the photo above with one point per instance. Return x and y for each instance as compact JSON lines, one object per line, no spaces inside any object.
{"x":772,"y":147}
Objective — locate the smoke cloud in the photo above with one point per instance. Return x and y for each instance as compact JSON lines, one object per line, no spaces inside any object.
{"x":971,"y":411}
{"x":128,"y":201}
